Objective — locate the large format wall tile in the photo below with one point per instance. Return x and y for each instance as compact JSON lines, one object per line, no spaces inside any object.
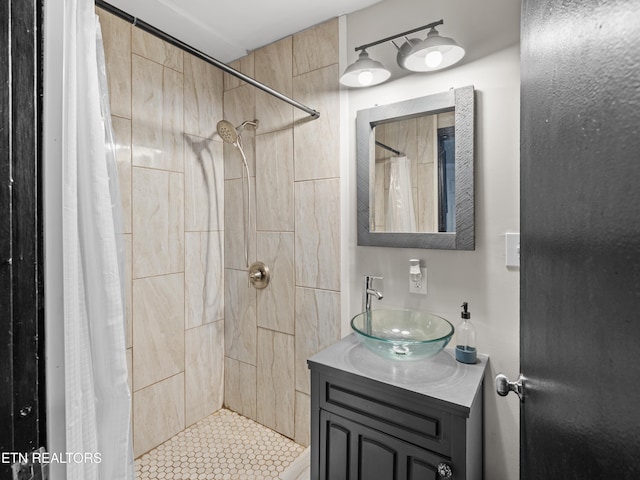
{"x":240,"y":387}
{"x":275,"y":302}
{"x":204,"y":371}
{"x":316,"y":47}
{"x":273,"y":65}
{"x":274,"y":177}
{"x":275,"y":391}
{"x":318,"y":234}
{"x":129,"y":354}
{"x":317,"y":142}
{"x":204,"y":278}
{"x":164,"y":123}
{"x":128,"y":286}
{"x":148,"y":46}
{"x":173,"y":120}
{"x":158,"y":222}
{"x":147,"y":104}
{"x":243,"y":65}
{"x":240,"y":317}
{"x":317,"y":327}
{"x":158,"y":330}
{"x":427,"y":148}
{"x":122,"y":138}
{"x":202,"y":97}
{"x":158,"y":413}
{"x":297,"y":205}
{"x":303,"y":415}
{"x":234,"y":224}
{"x":240,"y":106}
{"x":116,"y":35}
{"x":403,"y":136}
{"x":427,"y":200}
{"x":157,"y":116}
{"x":380,"y":196}
{"x":204,"y":184}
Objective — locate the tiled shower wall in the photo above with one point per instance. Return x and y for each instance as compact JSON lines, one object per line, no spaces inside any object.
{"x":164,"y":106}
{"x":295,"y":174}
{"x":192,"y":319}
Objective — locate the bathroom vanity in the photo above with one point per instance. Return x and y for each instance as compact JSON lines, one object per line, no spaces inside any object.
{"x":378,"y":419}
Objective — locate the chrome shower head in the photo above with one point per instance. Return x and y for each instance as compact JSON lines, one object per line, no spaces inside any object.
{"x":231,"y":134}
{"x":227,"y":132}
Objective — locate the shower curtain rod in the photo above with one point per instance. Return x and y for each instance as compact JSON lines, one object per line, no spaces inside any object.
{"x":387,"y":147}
{"x":203,"y":56}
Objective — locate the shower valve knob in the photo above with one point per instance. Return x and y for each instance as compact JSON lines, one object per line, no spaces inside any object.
{"x":259,"y":275}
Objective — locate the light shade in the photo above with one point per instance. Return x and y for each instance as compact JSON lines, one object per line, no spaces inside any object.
{"x":364,"y":72}
{"x":433,"y":53}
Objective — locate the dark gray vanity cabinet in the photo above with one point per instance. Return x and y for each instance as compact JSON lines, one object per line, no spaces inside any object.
{"x":379,"y":419}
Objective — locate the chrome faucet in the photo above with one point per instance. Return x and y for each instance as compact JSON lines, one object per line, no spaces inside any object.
{"x":369,"y":292}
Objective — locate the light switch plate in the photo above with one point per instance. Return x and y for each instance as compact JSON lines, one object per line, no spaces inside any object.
{"x":512,"y":249}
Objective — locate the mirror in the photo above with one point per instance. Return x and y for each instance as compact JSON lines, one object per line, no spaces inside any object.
{"x":415,"y":172}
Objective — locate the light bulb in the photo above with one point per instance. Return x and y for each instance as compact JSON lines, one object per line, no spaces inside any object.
{"x":365,"y":77}
{"x":433,"y":59}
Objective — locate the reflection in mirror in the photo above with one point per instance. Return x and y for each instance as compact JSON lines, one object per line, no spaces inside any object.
{"x":414,"y":175}
{"x":416,"y":172}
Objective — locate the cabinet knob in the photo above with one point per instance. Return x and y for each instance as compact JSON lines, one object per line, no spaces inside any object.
{"x":444,"y":471}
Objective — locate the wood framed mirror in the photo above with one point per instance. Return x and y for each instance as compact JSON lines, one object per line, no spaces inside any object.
{"x":416,"y":172}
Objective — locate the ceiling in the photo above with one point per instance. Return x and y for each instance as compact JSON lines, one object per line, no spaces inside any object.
{"x":226,"y":30}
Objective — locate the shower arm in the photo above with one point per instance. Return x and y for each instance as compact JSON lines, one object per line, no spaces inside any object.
{"x":136,"y":22}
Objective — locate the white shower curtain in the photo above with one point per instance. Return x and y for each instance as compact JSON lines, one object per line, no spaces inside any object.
{"x":400,"y":215}
{"x":97,"y":397}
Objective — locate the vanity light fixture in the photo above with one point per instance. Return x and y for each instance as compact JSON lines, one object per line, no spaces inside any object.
{"x":364,"y":72}
{"x":432,"y":53}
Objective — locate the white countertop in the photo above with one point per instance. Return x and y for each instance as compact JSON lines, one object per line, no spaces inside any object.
{"x":440,"y":377}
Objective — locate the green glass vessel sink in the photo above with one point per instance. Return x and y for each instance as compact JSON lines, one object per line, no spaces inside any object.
{"x":402,"y":334}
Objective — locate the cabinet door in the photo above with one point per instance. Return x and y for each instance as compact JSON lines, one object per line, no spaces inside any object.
{"x":351,"y":451}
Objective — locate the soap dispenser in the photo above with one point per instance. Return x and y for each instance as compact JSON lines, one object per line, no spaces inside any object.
{"x":466,"y":338}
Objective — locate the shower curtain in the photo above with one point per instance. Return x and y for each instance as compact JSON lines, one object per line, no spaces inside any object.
{"x":97,"y":397}
{"x":400,"y":215}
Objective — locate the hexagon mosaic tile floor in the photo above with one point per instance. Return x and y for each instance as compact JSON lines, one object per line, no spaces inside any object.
{"x":223,"y":446}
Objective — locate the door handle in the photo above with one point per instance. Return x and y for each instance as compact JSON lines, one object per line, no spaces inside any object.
{"x":504,"y":386}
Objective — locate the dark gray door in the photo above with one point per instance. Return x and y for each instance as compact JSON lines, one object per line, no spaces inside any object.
{"x":22,"y":422}
{"x":580,"y":225}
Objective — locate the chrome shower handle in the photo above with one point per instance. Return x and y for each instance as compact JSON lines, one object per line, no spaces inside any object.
{"x":259,"y":275}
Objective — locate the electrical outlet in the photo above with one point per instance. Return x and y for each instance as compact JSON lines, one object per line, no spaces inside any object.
{"x":421,"y":286}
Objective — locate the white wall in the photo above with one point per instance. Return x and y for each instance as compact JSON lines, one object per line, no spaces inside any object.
{"x":478,"y":277}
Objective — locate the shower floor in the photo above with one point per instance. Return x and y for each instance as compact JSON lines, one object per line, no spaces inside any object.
{"x":224,"y":446}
